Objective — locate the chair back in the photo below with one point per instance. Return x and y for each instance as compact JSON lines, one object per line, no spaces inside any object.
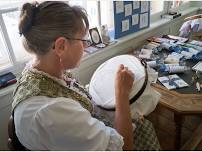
{"x":13,"y":142}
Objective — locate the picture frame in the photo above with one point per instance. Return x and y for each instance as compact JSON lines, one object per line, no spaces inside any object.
{"x":95,"y":36}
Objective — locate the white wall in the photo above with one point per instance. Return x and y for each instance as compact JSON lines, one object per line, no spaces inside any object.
{"x":90,"y":63}
{"x":196,"y":4}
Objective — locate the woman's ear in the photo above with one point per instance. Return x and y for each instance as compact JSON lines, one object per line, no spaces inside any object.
{"x":60,"y":45}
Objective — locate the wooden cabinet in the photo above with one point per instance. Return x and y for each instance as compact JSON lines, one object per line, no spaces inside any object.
{"x":176,"y":117}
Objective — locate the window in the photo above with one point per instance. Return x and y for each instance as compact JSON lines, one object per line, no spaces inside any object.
{"x":11,"y":20}
{"x":107,"y":16}
{"x":12,"y":53}
{"x":99,"y":12}
{"x":178,"y":3}
{"x":4,"y":57}
{"x":91,"y":7}
{"x":92,"y":10}
{"x":157,"y":6}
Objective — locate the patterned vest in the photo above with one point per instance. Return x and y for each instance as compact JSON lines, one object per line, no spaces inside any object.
{"x":36,"y":84}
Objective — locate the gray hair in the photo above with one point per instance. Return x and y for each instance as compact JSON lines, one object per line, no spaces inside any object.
{"x":41,"y":24}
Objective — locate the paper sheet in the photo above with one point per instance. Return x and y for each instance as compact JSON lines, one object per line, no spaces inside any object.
{"x":198,"y":67}
{"x":144,"y":6}
{"x":119,"y":7}
{"x":136,"y":4}
{"x":144,"y":20}
{"x":145,"y":54}
{"x":135,"y":19}
{"x":128,"y":9}
{"x":125,"y":25}
{"x":177,"y":82}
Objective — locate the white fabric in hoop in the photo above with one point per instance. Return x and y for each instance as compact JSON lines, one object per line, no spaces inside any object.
{"x":101,"y":86}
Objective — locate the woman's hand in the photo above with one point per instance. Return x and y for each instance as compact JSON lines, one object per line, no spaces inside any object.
{"x":123,"y":123}
{"x":123,"y":82}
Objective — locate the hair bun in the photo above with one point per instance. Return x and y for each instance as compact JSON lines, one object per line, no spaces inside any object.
{"x":27,"y":15}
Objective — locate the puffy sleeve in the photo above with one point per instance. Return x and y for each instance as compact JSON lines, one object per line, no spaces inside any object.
{"x":65,"y":125}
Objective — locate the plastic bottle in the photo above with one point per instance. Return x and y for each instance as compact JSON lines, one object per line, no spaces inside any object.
{"x":173,"y":68}
{"x":166,"y":46}
{"x":157,"y":49}
{"x":152,"y":64}
{"x":171,"y":47}
{"x":190,"y":53}
{"x":155,"y":63}
{"x":182,"y":61}
{"x":197,"y":57}
{"x":187,"y":55}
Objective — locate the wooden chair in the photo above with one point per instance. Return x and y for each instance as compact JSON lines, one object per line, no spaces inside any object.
{"x":13,"y":142}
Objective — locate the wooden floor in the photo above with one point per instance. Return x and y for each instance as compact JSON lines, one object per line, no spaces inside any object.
{"x":163,"y":121}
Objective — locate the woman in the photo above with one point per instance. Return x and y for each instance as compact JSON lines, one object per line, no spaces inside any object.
{"x":192,"y":27}
{"x":52,"y":111}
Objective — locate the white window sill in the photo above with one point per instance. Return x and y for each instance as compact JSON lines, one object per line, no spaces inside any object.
{"x":90,"y":59}
{"x":7,"y":90}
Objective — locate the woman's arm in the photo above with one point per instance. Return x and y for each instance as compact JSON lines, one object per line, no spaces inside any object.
{"x":123,"y":122}
{"x":62,"y":124}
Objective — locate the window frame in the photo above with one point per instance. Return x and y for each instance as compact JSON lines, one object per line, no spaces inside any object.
{"x":157,"y":16}
{"x":15,"y":65}
{"x":184,"y":5}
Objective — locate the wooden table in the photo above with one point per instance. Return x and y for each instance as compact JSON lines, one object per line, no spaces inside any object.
{"x":181,"y":105}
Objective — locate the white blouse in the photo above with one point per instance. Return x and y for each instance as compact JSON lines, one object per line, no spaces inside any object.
{"x":44,"y":123}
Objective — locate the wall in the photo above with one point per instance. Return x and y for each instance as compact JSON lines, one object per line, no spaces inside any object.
{"x":90,"y":63}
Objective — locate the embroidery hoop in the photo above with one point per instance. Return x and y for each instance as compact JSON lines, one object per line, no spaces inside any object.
{"x":140,"y":91}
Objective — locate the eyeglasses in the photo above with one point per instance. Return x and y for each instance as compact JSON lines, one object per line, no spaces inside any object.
{"x":86,"y":42}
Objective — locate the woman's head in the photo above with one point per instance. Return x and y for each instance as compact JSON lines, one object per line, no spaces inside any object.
{"x":52,"y":25}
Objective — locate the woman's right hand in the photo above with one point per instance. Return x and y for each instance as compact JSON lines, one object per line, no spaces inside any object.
{"x":123,"y":122}
{"x":123,"y":82}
